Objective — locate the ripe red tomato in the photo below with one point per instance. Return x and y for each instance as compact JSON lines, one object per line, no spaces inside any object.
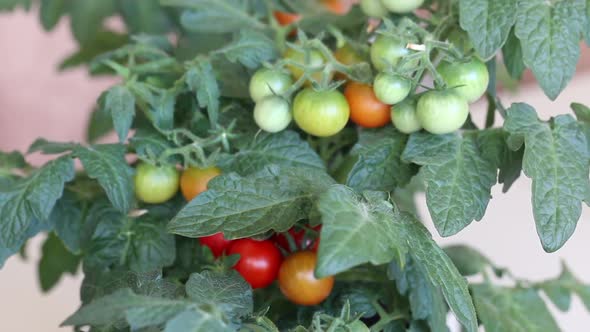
{"x":259,"y":261}
{"x":338,"y":7}
{"x":194,"y":180}
{"x":298,"y":282}
{"x":365,"y":109}
{"x":216,"y":242}
{"x":285,"y":18}
{"x":301,"y":238}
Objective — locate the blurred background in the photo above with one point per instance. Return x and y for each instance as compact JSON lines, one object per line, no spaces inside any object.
{"x":38,"y":101}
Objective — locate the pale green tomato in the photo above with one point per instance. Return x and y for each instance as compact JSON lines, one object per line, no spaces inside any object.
{"x":387,"y":50}
{"x":404,"y":117}
{"x":272,"y":114}
{"x":442,"y":112}
{"x":320,"y":113}
{"x":402,"y":6}
{"x":469,"y":79}
{"x":156,"y":184}
{"x":373,"y":8}
{"x":267,"y":82}
{"x":391,"y":89}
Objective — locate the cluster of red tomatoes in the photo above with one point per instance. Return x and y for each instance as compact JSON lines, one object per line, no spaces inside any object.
{"x":261,"y":262}
{"x":388,"y":99}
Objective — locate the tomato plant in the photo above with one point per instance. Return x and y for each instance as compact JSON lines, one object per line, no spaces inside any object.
{"x":155,"y":184}
{"x":217,"y":82}
{"x":366,"y":109}
{"x":193,"y":180}
{"x":298,"y":282}
{"x":217,"y":243}
{"x":320,"y":113}
{"x":442,"y":112}
{"x":259,"y":261}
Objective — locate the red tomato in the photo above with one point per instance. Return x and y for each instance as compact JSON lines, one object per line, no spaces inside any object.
{"x":298,"y":282}
{"x":365,"y":109}
{"x":285,"y":18}
{"x":216,"y":242}
{"x":301,"y":239}
{"x":259,"y":261}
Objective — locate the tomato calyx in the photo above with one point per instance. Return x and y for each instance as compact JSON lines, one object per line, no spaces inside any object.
{"x":295,"y":239}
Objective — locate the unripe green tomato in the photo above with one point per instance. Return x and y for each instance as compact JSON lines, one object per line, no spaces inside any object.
{"x":373,"y":8}
{"x":320,"y":113}
{"x":272,"y":114}
{"x":402,"y":6}
{"x":470,"y":79}
{"x":155,"y":184}
{"x":386,"y":51}
{"x":358,"y":326}
{"x":404,"y":117}
{"x":316,"y":60}
{"x":442,"y":112}
{"x":267,"y":82}
{"x":391,"y":89}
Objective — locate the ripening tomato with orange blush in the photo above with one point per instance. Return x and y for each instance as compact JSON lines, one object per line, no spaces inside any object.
{"x":366,"y":110}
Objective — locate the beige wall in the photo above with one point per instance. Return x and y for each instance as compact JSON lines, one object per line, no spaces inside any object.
{"x":37,"y":101}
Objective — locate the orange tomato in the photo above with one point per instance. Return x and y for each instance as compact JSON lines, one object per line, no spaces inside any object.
{"x":298,"y":282}
{"x":338,"y":7}
{"x":193,"y":180}
{"x":285,"y":18}
{"x":365,"y":109}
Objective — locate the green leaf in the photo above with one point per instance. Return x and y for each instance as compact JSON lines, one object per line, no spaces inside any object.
{"x":356,"y":230}
{"x":120,"y":103}
{"x":426,"y":301}
{"x":142,"y":243}
{"x":68,"y":218}
{"x":46,"y":147}
{"x":11,"y":160}
{"x":503,"y":309}
{"x":200,"y":79}
{"x":556,"y":159}
{"x":106,"y":163}
{"x":99,"y":124}
{"x":587,"y":28}
{"x":32,"y":198}
{"x":216,"y":16}
{"x":33,"y":229}
{"x":104,"y":41}
{"x":271,"y":199}
{"x":488,"y":23}
{"x":582,"y":112}
{"x":512,"y":55}
{"x":12,"y":4}
{"x":229,"y":292}
{"x":285,"y":149}
{"x":559,"y":290}
{"x":379,"y":165}
{"x":458,"y":183}
{"x":145,"y":16}
{"x":494,"y":147}
{"x":196,"y":321}
{"x":56,"y":260}
{"x":467,"y":260}
{"x":161,"y":103}
{"x":251,"y":49}
{"x":50,"y":12}
{"x":549,"y":32}
{"x":438,"y":269}
{"x":86,"y":17}
{"x":150,"y":144}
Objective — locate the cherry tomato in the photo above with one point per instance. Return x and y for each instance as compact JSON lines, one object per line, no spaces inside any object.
{"x":391,"y":89}
{"x":387,"y":50}
{"x":316,"y":60}
{"x":470,"y":78}
{"x":402,"y":6}
{"x":338,"y":7}
{"x":442,"y":112}
{"x":298,"y":282}
{"x":320,"y":113}
{"x":358,"y":326}
{"x":194,"y":180}
{"x":267,"y":82}
{"x":259,"y":261}
{"x":373,"y":8}
{"x":272,"y":114}
{"x":155,"y":184}
{"x":216,"y":242}
{"x":285,"y":18}
{"x":347,"y":56}
{"x":300,"y":237}
{"x":404,"y":117}
{"x":365,"y":109}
